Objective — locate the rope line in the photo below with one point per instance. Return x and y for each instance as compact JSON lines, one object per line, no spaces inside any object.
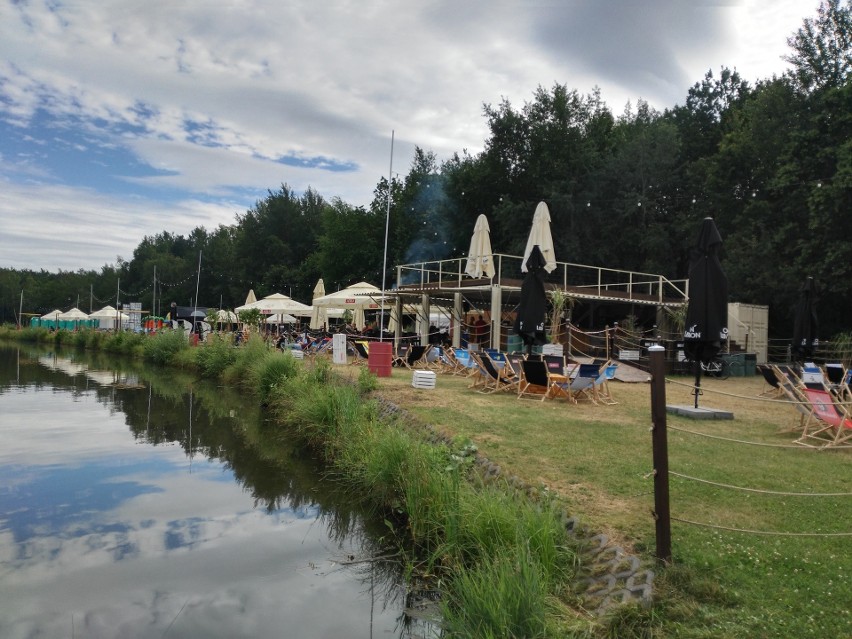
{"x":761,"y":532}
{"x":736,"y":396}
{"x":759,"y":490}
{"x":730,"y":439}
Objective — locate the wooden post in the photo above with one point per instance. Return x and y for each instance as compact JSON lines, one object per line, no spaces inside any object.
{"x":659,"y":439}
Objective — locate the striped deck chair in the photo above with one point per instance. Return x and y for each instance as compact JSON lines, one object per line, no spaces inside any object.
{"x":832,"y":423}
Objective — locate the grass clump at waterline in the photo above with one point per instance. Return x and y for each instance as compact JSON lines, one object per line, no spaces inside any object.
{"x":451,"y":525}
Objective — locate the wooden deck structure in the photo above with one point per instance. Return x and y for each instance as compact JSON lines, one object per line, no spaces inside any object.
{"x":445,"y":283}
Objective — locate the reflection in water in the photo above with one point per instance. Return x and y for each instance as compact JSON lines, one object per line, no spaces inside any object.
{"x":138,"y":502}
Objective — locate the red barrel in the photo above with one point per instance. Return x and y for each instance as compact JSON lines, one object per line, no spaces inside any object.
{"x":380,"y":358}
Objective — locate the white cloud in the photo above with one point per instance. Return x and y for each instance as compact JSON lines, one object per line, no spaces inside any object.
{"x":329,"y":81}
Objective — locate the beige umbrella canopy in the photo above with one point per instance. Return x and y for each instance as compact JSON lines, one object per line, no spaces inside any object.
{"x":250,"y":298}
{"x":357,"y":298}
{"x":281,"y":318}
{"x":226,"y":317}
{"x":480,"y":257}
{"x":277,"y":303}
{"x":540,"y":235}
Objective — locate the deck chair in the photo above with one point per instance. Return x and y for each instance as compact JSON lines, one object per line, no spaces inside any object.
{"x":793,"y":392}
{"x":774,"y":390}
{"x":832,"y":423}
{"x":583,"y":388}
{"x":536,"y":381}
{"x":835,"y":378}
{"x":469,"y":367}
{"x":361,"y":350}
{"x":416,"y":356}
{"x":555,"y":363}
{"x":600,"y":389}
{"x":480,"y":378}
{"x":507,"y":378}
{"x":399,"y":357}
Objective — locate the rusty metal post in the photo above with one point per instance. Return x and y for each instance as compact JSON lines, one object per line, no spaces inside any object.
{"x":659,"y":439}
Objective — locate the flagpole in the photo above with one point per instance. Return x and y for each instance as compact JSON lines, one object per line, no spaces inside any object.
{"x":385,"y":263}
{"x":197,"y":283}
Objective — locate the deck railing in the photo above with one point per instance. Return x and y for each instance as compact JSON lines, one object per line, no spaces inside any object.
{"x":579,"y":279}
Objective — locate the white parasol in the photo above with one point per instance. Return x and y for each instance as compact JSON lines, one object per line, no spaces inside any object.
{"x":277,"y":303}
{"x":540,"y":235}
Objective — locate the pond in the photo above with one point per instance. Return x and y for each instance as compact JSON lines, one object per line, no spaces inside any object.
{"x":137,"y":502}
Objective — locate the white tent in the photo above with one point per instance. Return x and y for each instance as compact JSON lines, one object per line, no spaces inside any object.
{"x":53,"y":315}
{"x":108,"y":316}
{"x":540,"y":235}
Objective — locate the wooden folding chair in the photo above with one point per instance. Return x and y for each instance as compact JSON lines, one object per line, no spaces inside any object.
{"x":832,"y":423}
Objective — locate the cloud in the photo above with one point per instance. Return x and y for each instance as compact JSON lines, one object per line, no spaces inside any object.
{"x":212,"y":102}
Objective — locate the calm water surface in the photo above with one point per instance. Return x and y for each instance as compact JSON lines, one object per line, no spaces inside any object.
{"x":137,"y":503}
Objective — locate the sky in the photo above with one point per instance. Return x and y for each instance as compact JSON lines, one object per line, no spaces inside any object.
{"x":120,"y":120}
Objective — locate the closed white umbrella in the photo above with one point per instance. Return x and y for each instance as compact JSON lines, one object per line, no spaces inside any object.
{"x":319,"y":314}
{"x":540,"y":236}
{"x":480,"y":258}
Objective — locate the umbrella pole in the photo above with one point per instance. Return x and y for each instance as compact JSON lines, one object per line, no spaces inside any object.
{"x":697,"y":380}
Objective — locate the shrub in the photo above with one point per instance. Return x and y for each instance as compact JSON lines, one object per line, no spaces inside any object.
{"x":215,"y":355}
{"x":161,"y":347}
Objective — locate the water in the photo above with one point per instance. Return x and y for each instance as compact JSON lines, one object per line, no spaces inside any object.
{"x":139,"y":503}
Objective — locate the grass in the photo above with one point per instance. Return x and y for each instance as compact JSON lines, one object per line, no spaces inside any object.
{"x":597,"y":460}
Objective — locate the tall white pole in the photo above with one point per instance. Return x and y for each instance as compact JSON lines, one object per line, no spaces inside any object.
{"x":385,"y":262}
{"x":197,"y":283}
{"x":117,"y":311}
{"x":154,"y":295}
{"x":20,"y":311}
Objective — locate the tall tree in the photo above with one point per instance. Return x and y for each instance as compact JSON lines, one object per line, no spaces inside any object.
{"x":822,"y":47}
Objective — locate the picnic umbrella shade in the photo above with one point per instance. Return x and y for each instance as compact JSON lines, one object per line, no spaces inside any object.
{"x":529,"y":323}
{"x":251,"y":298}
{"x":480,"y":257}
{"x":541,"y":236}
{"x":319,"y":314}
{"x":278,"y":303}
{"x":706,"y":323}
{"x":805,"y":323}
{"x":361,"y":295}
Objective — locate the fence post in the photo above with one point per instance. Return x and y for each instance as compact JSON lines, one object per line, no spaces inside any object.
{"x":659,"y":440}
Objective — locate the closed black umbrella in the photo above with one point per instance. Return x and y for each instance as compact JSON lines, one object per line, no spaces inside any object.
{"x":706,"y":326}
{"x":805,"y":322}
{"x":529,"y":323}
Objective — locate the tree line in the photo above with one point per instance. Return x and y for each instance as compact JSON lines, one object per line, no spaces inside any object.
{"x":771,"y":162}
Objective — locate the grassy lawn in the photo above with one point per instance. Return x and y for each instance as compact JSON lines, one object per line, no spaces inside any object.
{"x":597,"y":459}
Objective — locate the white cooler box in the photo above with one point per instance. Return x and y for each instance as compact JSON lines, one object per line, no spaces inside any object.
{"x":423,"y":379}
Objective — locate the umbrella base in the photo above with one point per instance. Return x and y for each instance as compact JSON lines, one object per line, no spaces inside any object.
{"x":699,"y":413}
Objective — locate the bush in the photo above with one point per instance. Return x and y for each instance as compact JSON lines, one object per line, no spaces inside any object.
{"x":161,"y":347}
{"x":215,"y":355}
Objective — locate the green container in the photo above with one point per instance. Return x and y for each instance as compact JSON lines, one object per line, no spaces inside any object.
{"x":514,"y":343}
{"x":736,"y":363}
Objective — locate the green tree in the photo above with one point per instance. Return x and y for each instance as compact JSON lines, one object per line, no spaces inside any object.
{"x":822,"y":47}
